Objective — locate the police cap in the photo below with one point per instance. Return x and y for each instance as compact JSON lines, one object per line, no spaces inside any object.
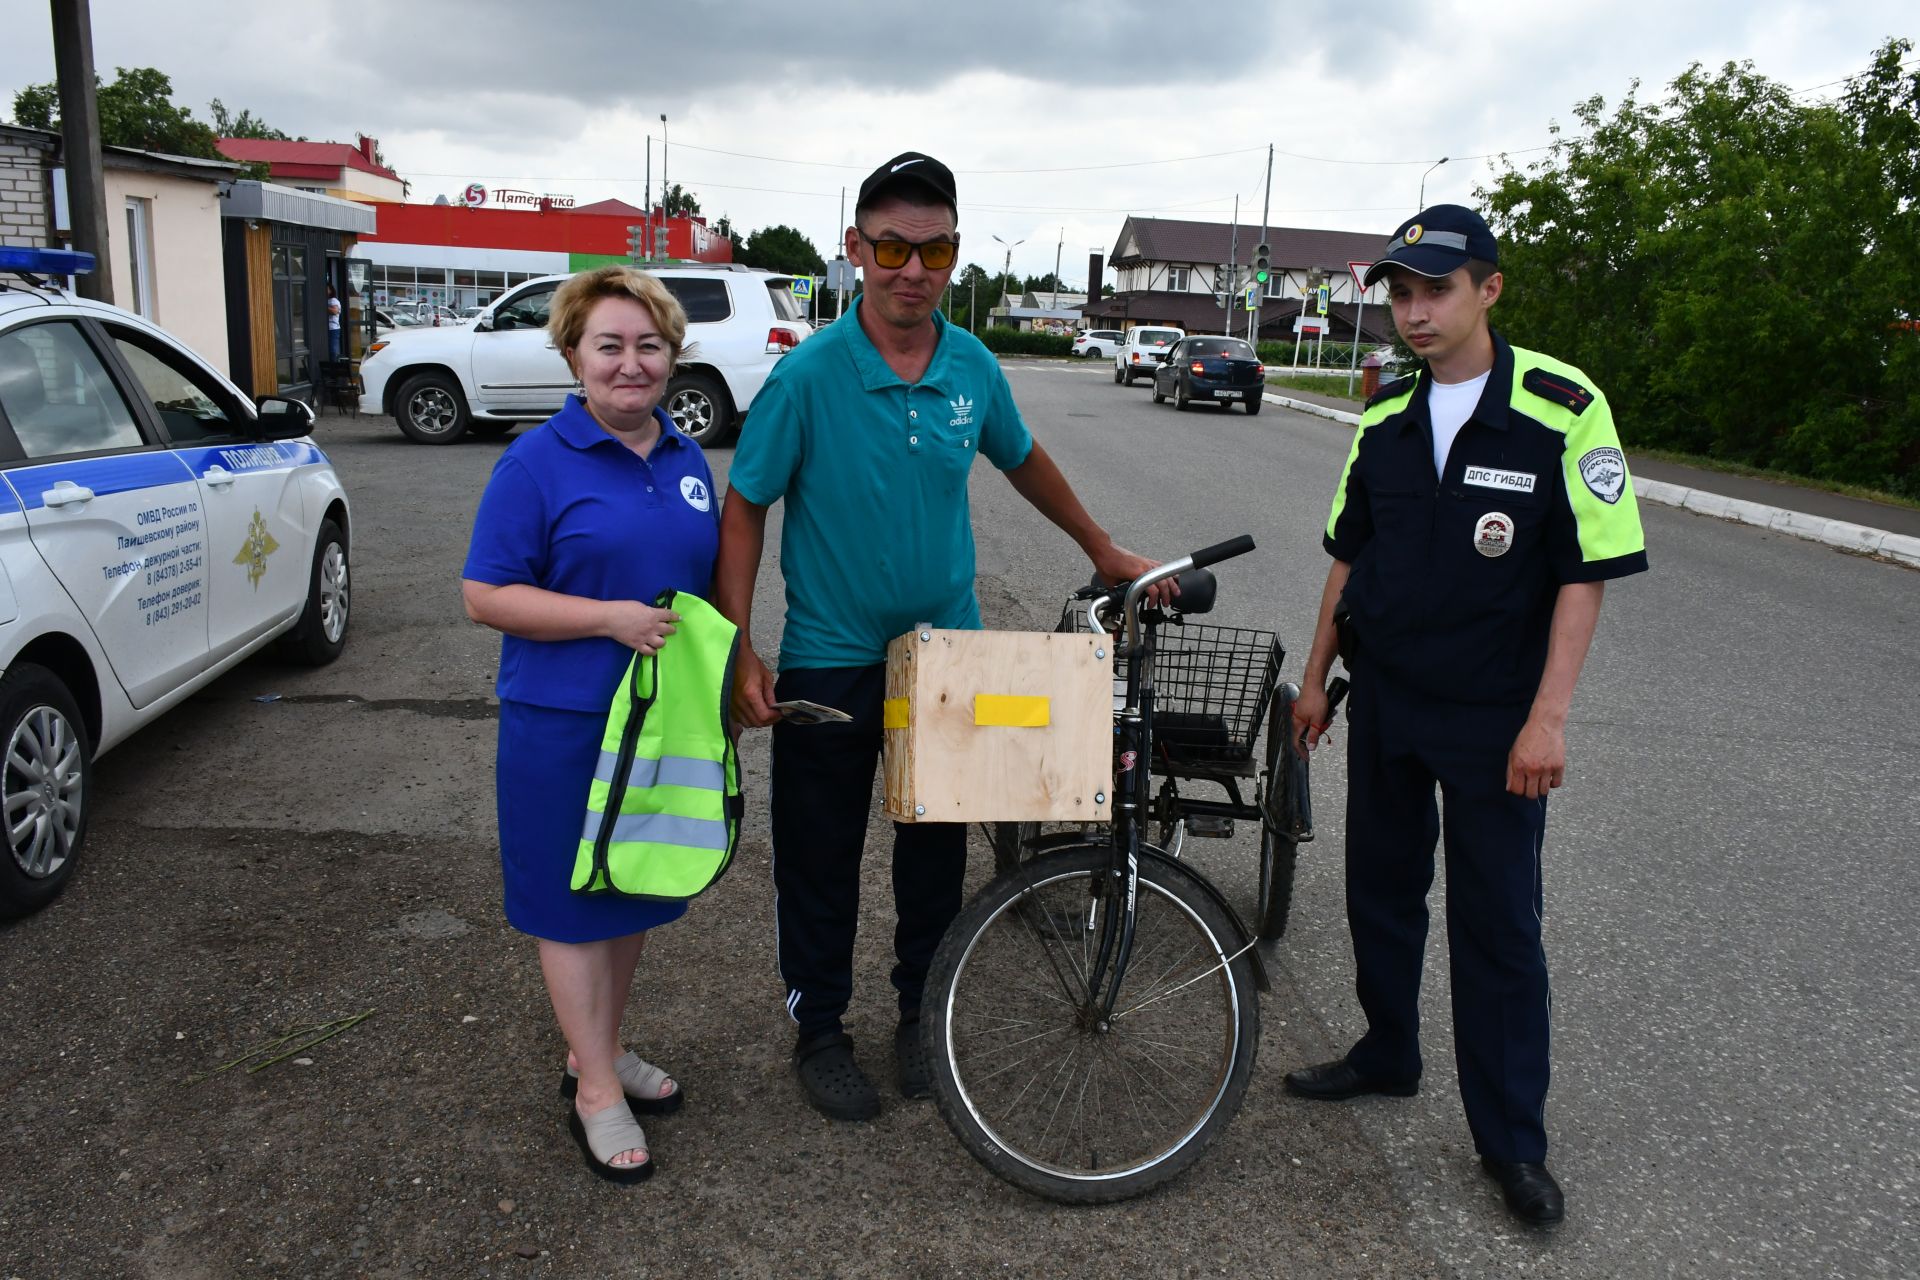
{"x":1438,"y":241}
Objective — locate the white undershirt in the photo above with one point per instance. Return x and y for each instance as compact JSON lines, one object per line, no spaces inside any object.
{"x":1449,"y":405}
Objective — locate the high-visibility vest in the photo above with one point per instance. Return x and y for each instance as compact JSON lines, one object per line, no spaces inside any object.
{"x":663,"y":814}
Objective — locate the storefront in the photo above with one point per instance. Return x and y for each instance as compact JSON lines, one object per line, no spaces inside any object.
{"x":458,"y":256}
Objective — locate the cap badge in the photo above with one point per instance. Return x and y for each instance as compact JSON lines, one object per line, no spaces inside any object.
{"x":1414,"y":233}
{"x":1493,"y":534}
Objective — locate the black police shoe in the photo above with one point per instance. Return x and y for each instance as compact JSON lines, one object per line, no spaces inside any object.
{"x":1338,"y":1081}
{"x":1530,"y":1190}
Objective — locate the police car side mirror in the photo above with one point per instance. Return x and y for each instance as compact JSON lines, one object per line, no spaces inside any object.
{"x":283,"y":419}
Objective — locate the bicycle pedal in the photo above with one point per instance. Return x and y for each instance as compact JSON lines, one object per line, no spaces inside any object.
{"x":1210,"y":828}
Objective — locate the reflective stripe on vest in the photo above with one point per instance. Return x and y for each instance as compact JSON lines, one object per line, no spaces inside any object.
{"x":663,"y":811}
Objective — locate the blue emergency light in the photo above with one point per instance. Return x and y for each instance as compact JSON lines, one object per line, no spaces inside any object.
{"x":47,"y":262}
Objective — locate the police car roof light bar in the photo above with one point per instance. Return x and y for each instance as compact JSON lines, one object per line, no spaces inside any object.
{"x":32,"y":264}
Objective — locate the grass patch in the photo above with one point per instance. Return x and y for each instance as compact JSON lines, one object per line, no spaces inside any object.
{"x":1762,"y":473}
{"x":1320,"y":384}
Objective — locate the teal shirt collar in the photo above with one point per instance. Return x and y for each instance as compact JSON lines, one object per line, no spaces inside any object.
{"x":876,"y":374}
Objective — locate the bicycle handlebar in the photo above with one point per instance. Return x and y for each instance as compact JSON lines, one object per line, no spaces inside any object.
{"x":1173,"y":568}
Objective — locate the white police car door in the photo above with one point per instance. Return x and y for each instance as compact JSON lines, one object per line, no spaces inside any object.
{"x":259,"y":553}
{"x":116,"y":517}
{"x":513,"y":365}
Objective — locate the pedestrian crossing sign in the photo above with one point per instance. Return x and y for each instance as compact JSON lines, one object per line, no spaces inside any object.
{"x":802,"y":287}
{"x":1251,"y":298}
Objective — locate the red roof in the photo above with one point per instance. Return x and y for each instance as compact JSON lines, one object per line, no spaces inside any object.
{"x":620,"y":207}
{"x":333,"y":155}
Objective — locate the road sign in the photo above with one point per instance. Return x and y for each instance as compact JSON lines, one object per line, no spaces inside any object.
{"x":1359,"y":270}
{"x":1251,"y":297}
{"x":802,"y":287}
{"x":1324,"y":295}
{"x":1310,"y":324}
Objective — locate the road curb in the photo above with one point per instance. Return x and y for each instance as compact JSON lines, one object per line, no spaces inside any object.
{"x":1834,"y":533}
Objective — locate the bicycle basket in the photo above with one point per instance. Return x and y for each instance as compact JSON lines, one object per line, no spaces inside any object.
{"x":1211,"y":686}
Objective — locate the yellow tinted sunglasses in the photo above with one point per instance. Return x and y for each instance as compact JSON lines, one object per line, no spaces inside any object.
{"x":935,"y":255}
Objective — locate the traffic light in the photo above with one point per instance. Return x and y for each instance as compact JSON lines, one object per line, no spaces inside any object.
{"x":1262,"y":264}
{"x":636,"y":243}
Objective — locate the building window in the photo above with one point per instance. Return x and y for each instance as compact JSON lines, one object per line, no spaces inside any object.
{"x":290,"y":313}
{"x":1178,"y":279}
{"x":140,"y":255}
{"x":1277,"y":285}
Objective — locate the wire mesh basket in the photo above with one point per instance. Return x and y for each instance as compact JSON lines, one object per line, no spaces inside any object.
{"x":1211,"y":686}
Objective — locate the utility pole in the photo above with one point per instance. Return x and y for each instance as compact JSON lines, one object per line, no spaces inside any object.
{"x":666,"y":215}
{"x":840,"y":303}
{"x":1058,"y":245}
{"x":80,"y":144}
{"x":1233,"y":272}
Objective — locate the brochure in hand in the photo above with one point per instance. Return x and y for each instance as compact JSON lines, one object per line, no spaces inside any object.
{"x":800,"y":711}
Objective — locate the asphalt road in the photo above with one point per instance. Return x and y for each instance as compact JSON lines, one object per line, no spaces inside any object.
{"x":1729,"y":885}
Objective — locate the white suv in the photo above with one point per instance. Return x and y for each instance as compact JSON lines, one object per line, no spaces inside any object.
{"x":498,"y":369}
{"x":156,"y":528}
{"x":1096,"y":343}
{"x":1143,"y":351}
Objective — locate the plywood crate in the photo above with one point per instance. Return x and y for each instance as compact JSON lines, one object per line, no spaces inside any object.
{"x":999,"y":726}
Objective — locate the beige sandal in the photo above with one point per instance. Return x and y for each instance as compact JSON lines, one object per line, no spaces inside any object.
{"x":639,"y":1079}
{"x":604,"y":1135}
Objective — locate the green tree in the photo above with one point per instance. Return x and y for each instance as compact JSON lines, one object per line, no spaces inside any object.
{"x":679,"y":201}
{"x":136,"y":110}
{"x":244,"y":125}
{"x":726,"y":228}
{"x":781,"y":248}
{"x":1735,"y":268}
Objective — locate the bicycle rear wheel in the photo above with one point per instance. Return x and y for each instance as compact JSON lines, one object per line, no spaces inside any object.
{"x":1026,"y":1074}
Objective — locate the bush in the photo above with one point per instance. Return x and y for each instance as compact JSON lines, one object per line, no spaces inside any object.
{"x":1004,"y":340}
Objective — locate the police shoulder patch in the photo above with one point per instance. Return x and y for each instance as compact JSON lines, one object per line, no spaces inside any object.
{"x":1557,"y":388}
{"x":1398,"y":387}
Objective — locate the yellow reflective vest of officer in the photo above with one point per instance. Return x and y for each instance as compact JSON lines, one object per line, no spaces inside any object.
{"x":663,"y":814}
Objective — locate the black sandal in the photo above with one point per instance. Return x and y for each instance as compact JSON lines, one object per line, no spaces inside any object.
{"x":833,"y":1081}
{"x":910,"y":1061}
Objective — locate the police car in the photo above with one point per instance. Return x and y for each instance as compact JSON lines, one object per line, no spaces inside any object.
{"x":156,"y":528}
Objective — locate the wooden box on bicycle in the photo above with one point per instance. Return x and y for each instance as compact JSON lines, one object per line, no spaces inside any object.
{"x":999,"y":726}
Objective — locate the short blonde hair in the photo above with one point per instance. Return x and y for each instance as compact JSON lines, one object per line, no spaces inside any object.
{"x":576,"y":299}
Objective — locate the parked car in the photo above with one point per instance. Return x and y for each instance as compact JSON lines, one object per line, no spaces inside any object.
{"x":498,"y":369}
{"x":385,"y":321}
{"x":1095,"y":343}
{"x":1143,"y":351}
{"x":1220,"y":370}
{"x":157,"y":527}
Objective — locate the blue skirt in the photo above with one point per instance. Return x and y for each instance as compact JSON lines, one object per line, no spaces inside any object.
{"x":542,"y":773}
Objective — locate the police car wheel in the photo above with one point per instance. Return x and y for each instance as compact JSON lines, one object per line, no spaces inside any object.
{"x":43,"y":787}
{"x":321,"y":633}
{"x":700,"y":408}
{"x":432,"y":410}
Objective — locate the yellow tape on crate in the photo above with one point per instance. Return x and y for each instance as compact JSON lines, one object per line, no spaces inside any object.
{"x":1011,"y":711}
{"x":893,"y":713}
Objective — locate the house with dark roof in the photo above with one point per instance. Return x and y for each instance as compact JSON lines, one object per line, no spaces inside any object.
{"x":1174,"y":271}
{"x":322,"y":168}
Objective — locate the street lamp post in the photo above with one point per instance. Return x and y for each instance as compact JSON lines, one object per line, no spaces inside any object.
{"x":1423,"y":180}
{"x":1007,"y":270}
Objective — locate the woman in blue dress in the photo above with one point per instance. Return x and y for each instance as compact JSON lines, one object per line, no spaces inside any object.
{"x":584,"y":522}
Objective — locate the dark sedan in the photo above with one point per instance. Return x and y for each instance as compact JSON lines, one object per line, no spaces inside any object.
{"x":1220,"y":370}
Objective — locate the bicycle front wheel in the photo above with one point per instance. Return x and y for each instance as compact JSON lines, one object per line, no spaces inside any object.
{"x":1041,"y":1089}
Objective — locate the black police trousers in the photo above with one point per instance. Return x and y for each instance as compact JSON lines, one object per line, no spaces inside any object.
{"x":1400,"y":746}
{"x":822,"y":795}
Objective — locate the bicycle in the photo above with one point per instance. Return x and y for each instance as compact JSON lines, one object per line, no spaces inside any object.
{"x":1215,"y":687}
{"x":1091,"y":1016}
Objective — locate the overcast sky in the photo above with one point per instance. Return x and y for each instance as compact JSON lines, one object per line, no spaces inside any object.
{"x":1058,"y":117}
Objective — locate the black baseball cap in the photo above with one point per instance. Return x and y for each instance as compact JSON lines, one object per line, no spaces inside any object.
{"x":909,"y":168}
{"x":1438,"y":241}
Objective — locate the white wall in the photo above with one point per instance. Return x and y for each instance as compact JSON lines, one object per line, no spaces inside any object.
{"x":189,"y":284}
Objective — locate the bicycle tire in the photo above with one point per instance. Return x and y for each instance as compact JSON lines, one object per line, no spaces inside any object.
{"x":1279,"y":859}
{"x":1089,"y":1115}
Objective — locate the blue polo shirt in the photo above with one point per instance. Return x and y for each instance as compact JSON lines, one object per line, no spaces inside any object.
{"x":571,"y":509}
{"x":877,"y":533}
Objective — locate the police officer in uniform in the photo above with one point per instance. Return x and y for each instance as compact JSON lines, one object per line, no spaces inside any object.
{"x":1482,"y":509}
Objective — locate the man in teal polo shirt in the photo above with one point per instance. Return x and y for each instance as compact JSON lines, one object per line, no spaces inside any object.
{"x":868,"y":431}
